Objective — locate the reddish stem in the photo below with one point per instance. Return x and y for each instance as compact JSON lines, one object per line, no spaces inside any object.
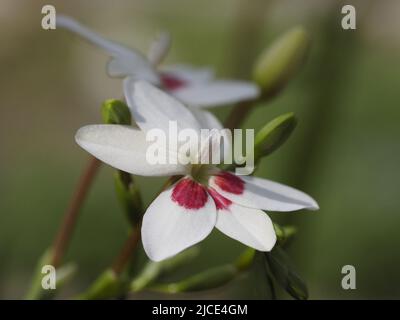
{"x":63,"y":236}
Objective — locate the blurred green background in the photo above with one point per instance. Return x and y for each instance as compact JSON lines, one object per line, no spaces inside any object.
{"x":345,"y":151}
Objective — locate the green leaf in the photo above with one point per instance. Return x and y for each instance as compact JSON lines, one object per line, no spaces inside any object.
{"x":285,"y":274}
{"x":273,"y":135}
{"x":128,"y":194}
{"x":115,"y":112}
{"x":280,"y":61}
{"x":107,"y":285}
{"x":63,"y":275}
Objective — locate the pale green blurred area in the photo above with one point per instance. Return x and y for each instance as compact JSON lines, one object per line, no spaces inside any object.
{"x":345,"y":151}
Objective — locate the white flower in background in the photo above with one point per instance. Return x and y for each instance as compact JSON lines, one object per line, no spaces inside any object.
{"x":205,"y":197}
{"x":193,"y":87}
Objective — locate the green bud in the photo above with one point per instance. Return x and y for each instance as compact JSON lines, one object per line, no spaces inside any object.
{"x":280,"y":61}
{"x":245,"y":259}
{"x":273,"y":135}
{"x":284,"y":233}
{"x":209,"y":279}
{"x":285,"y":274}
{"x":115,"y":112}
{"x":129,"y":196}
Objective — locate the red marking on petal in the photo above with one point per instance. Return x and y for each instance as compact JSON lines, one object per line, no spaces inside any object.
{"x":189,"y":194}
{"x":229,"y":182}
{"x":171,"y":82}
{"x":220,"y":201}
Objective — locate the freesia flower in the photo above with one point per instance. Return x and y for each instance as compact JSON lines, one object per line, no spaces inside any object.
{"x":204,"y":197}
{"x":193,"y":87}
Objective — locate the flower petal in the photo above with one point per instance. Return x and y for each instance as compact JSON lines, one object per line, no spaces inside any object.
{"x":206,"y":119}
{"x":132,"y":65}
{"x":159,"y":48}
{"x":250,"y":226}
{"x":125,"y":61}
{"x":154,"y":109}
{"x":216,"y":93}
{"x":169,"y":227}
{"x":261,"y":193}
{"x":124,"y":148}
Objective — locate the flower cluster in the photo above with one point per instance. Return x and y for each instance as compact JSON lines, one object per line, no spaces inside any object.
{"x":204,"y":196}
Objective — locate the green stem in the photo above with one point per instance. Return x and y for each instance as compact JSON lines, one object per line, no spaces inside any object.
{"x":154,"y":270}
{"x":211,"y":278}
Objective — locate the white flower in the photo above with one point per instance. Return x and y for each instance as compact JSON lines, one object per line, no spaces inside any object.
{"x":193,"y":87}
{"x":204,"y":198}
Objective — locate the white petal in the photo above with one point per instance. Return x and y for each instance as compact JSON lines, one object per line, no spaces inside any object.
{"x":189,"y":74}
{"x":216,"y":93}
{"x":250,"y":226}
{"x":134,"y":66}
{"x":168,"y":228}
{"x":206,"y":119}
{"x":159,"y":48}
{"x":125,"y":61}
{"x":124,"y":148}
{"x":267,"y":195}
{"x":154,"y":109}
{"x":91,"y":36}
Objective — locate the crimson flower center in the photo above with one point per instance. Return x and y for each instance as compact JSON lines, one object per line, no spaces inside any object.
{"x":189,"y":194}
{"x":171,"y":82}
{"x":229,"y":182}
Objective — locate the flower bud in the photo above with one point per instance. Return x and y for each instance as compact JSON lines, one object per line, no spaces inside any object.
{"x":284,"y":233}
{"x":115,"y":112}
{"x":280,"y":61}
{"x":245,"y":259}
{"x":273,"y":135}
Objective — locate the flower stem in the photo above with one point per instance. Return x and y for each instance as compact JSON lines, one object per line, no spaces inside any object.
{"x":131,"y":243}
{"x":238,"y":114}
{"x":63,"y":236}
{"x":128,"y":248}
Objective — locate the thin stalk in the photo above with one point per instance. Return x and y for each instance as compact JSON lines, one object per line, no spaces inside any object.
{"x":132,"y":242}
{"x":128,"y":248}
{"x":71,"y":215}
{"x":239,"y":114}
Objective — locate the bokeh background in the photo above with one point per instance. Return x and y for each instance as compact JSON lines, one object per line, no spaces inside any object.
{"x":345,"y":150}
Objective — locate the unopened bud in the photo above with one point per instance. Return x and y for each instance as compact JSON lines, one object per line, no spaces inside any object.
{"x":115,"y":112}
{"x":280,"y":61}
{"x":273,"y":135}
